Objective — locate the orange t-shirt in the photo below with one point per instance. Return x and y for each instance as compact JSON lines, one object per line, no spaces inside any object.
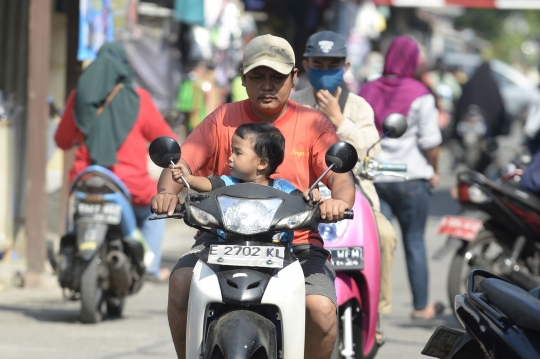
{"x":308,"y":134}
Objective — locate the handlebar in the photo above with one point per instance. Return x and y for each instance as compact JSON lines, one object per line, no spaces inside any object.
{"x":348,"y":214}
{"x":178,"y":213}
{"x":392,"y":167}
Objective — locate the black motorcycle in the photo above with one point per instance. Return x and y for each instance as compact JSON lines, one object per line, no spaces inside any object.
{"x":500,"y":320}
{"x":100,"y":262}
{"x":498,"y":229}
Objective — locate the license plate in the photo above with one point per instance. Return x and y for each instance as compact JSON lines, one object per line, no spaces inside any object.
{"x":110,"y":213}
{"x":460,"y":227}
{"x":350,"y":258}
{"x":247,"y":256}
{"x":442,"y":342}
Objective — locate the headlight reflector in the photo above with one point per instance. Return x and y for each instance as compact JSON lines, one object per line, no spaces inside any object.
{"x":248,"y":216}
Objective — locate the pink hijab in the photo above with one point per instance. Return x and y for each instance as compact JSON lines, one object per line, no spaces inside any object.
{"x":396,"y":89}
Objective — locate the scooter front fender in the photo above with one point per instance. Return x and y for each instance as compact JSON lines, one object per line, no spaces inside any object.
{"x":240,"y":334}
{"x":346,"y":289}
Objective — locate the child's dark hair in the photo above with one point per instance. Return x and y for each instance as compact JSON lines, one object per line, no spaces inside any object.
{"x":268,"y":142}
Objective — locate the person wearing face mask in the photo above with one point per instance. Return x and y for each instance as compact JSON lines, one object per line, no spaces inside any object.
{"x":352,"y":117}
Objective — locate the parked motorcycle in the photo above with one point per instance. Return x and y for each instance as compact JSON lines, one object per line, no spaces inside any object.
{"x":100,"y":261}
{"x":247,"y":295}
{"x":498,"y":229}
{"x":500,"y":320}
{"x":355,"y":250}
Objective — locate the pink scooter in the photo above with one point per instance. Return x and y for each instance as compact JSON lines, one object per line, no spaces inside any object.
{"x":355,"y":249}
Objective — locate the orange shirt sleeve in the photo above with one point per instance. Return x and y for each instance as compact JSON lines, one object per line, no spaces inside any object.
{"x":200,"y":147}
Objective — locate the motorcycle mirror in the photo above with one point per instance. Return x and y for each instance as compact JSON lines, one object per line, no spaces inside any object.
{"x":342,"y":156}
{"x":394,"y":125}
{"x":164,"y":150}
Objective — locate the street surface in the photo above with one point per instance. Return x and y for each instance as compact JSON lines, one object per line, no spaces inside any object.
{"x":40,"y":324}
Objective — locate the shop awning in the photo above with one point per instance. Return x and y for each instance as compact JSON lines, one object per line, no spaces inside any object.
{"x":490,"y":4}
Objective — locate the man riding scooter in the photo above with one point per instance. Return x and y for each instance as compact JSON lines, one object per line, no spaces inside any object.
{"x":268,"y":75}
{"x":352,"y":117}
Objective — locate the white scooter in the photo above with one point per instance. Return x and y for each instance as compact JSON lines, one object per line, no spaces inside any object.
{"x":247,"y":295}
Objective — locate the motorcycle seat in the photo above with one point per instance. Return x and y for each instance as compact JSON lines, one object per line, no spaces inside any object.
{"x":517,"y":304}
{"x":525,"y":198}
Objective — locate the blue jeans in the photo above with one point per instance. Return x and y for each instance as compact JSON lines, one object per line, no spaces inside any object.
{"x":409,"y":202}
{"x":153,"y":235}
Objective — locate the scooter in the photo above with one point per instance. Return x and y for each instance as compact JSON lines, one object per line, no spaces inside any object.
{"x":100,"y":261}
{"x":247,"y":294}
{"x":500,"y":320}
{"x":355,"y":250}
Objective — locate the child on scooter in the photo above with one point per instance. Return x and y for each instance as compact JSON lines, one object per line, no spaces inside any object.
{"x":257,"y":151}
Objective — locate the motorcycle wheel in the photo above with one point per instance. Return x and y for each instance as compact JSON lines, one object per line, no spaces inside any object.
{"x":115,"y":307}
{"x":358,"y":339}
{"x":485,"y":252}
{"x":91,"y":293}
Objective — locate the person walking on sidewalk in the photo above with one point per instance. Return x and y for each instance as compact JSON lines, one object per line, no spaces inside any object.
{"x":352,"y":117}
{"x":268,"y":74}
{"x":112,"y":122}
{"x":398,"y":92}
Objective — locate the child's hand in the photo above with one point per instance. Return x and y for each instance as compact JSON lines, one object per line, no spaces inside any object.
{"x":316,"y":195}
{"x":179,"y":171}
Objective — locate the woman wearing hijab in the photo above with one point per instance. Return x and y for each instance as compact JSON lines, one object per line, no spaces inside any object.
{"x":396,"y":91}
{"x":112,"y":122}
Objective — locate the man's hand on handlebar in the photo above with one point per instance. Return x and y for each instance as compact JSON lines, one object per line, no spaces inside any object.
{"x":164,"y":202}
{"x":332,"y":210}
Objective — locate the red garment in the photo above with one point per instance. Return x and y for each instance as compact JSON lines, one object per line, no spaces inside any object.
{"x":132,"y":155}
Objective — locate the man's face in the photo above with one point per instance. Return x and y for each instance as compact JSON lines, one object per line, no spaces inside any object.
{"x":326,"y":63}
{"x":267,"y":89}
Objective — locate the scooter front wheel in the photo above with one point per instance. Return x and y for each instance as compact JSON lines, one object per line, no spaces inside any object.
{"x":357,"y":336}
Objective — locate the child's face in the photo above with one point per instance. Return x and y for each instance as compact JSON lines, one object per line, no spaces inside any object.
{"x":243,"y":162}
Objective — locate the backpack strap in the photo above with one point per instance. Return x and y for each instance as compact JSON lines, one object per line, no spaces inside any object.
{"x":343,"y":97}
{"x":109,"y":98}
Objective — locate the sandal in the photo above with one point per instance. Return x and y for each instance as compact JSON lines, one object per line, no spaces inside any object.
{"x":379,"y":336}
{"x":429,"y":312}
{"x":161,"y":277}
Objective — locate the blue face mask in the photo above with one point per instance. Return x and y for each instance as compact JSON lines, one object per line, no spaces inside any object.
{"x":326,"y":79}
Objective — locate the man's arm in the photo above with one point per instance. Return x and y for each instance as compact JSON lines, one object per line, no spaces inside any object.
{"x":432,"y":156}
{"x":343,"y":192}
{"x":167,"y":198}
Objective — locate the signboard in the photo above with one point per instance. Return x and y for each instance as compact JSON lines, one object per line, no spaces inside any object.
{"x":102,"y":21}
{"x":490,"y":4}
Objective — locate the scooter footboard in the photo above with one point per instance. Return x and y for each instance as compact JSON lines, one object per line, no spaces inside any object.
{"x":240,"y":334}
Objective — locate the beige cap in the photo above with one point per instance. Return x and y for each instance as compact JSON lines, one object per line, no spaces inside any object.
{"x":271,"y":51}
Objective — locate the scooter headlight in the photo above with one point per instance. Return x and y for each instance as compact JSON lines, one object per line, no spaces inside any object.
{"x":332,"y":231}
{"x":293,"y":221}
{"x":248,"y":216}
{"x":203,"y":217}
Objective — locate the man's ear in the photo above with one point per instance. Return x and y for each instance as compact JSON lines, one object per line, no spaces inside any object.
{"x":243,"y":76}
{"x":294,"y":75}
{"x":263,"y":164}
{"x":305,"y":65}
{"x":347,"y":65}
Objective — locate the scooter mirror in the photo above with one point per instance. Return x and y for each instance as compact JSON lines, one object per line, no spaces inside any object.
{"x":394,"y":125}
{"x":342,"y":155}
{"x":163,"y":150}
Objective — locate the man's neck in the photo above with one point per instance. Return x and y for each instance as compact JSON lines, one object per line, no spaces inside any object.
{"x":269,"y":117}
